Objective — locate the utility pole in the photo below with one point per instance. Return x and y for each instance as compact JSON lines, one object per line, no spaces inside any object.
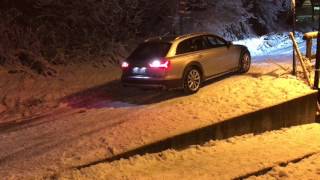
{"x":294,"y":65}
{"x":183,"y":10}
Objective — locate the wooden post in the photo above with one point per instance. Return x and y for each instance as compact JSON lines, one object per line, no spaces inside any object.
{"x":296,"y":48}
{"x":309,"y":48}
{"x":308,"y":37}
{"x":317,"y":65}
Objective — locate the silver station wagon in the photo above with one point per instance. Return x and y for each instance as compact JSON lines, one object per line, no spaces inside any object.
{"x":183,"y":62}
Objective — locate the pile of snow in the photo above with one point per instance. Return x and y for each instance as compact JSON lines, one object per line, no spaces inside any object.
{"x":267,"y":44}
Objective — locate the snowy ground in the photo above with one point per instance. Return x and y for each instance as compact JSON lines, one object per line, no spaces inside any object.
{"x":24,"y":95}
{"x":308,"y":168}
{"x":257,"y":157}
{"x":106,"y":120}
{"x":84,"y":115}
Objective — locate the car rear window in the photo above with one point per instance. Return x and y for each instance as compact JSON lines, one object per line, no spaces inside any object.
{"x":150,"y":50}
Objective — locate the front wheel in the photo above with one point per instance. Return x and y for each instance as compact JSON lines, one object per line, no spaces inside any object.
{"x":245,"y":62}
{"x":192,"y":81}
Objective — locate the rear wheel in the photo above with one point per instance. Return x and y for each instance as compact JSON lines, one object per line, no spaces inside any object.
{"x":192,"y":80}
{"x":245,"y":62}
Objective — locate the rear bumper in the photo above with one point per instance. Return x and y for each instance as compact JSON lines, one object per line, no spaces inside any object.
{"x":151,"y":83}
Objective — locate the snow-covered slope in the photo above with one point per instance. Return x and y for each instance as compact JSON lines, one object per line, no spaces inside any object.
{"x":241,"y":19}
{"x":271,"y":43}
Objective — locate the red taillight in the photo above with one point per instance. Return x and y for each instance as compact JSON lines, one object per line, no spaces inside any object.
{"x":124,"y":65}
{"x":164,"y":63}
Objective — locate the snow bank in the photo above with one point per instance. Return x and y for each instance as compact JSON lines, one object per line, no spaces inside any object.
{"x":267,"y":44}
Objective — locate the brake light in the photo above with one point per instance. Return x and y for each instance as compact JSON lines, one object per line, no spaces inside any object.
{"x":160,"y":64}
{"x":124,"y":65}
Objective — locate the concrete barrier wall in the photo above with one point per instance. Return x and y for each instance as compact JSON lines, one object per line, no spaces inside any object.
{"x":298,"y":111}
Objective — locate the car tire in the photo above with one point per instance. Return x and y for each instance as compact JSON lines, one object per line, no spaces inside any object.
{"x":245,"y":62}
{"x":192,"y":80}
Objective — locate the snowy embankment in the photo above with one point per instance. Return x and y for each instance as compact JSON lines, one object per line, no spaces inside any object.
{"x":272,"y":44}
{"x":227,"y":159}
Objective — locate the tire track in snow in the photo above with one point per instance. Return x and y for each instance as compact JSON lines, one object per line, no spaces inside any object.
{"x":282,"y":164}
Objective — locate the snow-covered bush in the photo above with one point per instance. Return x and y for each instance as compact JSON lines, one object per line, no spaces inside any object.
{"x":240,"y":19}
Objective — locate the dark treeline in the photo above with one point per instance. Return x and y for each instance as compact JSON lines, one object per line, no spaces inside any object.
{"x":55,"y":29}
{"x":47,"y":27}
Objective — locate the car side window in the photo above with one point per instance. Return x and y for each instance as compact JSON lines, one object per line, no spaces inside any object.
{"x":192,"y":45}
{"x":184,"y":47}
{"x":215,"y":42}
{"x":198,"y":44}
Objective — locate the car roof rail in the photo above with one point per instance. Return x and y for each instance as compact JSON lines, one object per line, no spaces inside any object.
{"x":190,"y":34}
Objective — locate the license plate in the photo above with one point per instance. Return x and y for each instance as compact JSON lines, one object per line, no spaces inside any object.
{"x":138,"y":70}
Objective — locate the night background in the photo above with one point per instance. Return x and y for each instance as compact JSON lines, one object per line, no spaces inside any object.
{"x":65,"y":114}
{"x":64,"y":31}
